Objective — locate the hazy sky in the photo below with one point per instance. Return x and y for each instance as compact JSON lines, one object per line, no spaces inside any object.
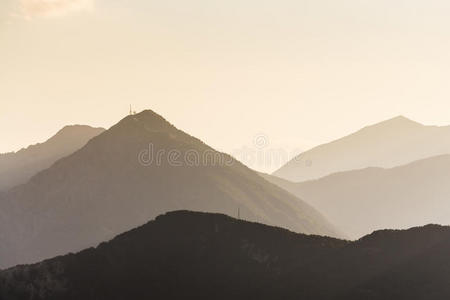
{"x":298,"y":72}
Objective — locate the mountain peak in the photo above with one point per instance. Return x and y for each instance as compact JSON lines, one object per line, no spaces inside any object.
{"x":148,"y":113}
{"x":396,"y":124}
{"x":393,"y":142}
{"x":401,"y":118}
{"x":77,"y":129}
{"x":399,"y":121}
{"x":18,"y":167}
{"x":146,"y":119}
{"x":73,"y":134}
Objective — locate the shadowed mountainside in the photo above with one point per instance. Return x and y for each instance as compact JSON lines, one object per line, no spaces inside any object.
{"x":210,"y":256}
{"x":131,"y":173}
{"x":361,"y":201}
{"x":18,"y":167}
{"x":388,"y":144}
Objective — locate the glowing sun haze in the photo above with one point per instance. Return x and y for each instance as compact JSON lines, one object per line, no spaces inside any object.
{"x":299,"y":72}
{"x":48,"y":8}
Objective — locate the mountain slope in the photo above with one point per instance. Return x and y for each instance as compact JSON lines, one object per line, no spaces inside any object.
{"x":18,"y":167}
{"x":114,"y":184}
{"x":388,"y":144}
{"x":210,"y":256}
{"x":362,"y":201}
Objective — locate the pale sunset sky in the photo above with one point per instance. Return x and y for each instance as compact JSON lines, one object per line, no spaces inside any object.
{"x":300,"y":72}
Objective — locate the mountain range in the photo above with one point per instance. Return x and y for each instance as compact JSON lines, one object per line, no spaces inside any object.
{"x":211,"y":256}
{"x":141,"y":167}
{"x":388,"y":144}
{"x":18,"y":167}
{"x":361,"y":201}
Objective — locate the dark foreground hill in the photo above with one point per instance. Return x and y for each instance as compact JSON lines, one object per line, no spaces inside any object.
{"x":187,"y":255}
{"x":18,"y":167}
{"x":138,"y":169}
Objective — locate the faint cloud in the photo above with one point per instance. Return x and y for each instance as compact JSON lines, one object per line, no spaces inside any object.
{"x":53,"y":8}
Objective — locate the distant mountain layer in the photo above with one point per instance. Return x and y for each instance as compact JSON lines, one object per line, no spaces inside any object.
{"x":359,"y":202}
{"x":141,"y":167}
{"x":388,"y":144}
{"x":18,"y":167}
{"x":186,"y":255}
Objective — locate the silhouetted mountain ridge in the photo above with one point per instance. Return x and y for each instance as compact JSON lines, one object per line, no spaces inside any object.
{"x":108,"y":187}
{"x":18,"y":167}
{"x":398,"y":122}
{"x":388,"y":144}
{"x":202,"y":256}
{"x":364,"y":200}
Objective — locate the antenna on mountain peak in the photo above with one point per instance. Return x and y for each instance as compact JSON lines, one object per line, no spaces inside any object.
{"x":131,"y":111}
